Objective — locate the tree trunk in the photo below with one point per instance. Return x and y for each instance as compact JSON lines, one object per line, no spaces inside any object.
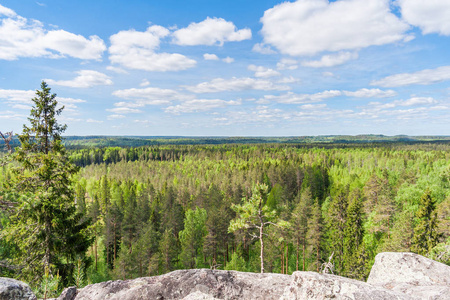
{"x":262,"y":247}
{"x":287,"y":257}
{"x":304,"y":260}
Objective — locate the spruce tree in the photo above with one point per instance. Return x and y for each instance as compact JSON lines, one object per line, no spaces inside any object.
{"x":48,"y":231}
{"x":426,"y":234}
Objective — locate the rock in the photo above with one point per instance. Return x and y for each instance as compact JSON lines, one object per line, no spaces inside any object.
{"x":189,"y":285}
{"x":11,"y":289}
{"x":311,"y":285}
{"x":411,"y":274}
{"x":68,"y":293}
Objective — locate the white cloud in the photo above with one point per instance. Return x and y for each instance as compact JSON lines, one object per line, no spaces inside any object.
{"x":424,"y":77}
{"x":150,"y":96}
{"x":287,"y":64}
{"x":124,"y":110}
{"x":22,"y":38}
{"x":292,"y":98}
{"x":24,"y":97}
{"x":370,"y":93}
{"x":228,"y":60}
{"x":432,"y":16}
{"x":313,"y":106}
{"x":93,"y":121}
{"x":6,"y":11}
{"x":116,"y":70}
{"x":263,"y":49}
{"x":208,"y":56}
{"x":331,"y":60}
{"x":235,"y":84}
{"x":263,"y":72}
{"x":199,"y":105}
{"x":144,"y":83}
{"x":209,"y":32}
{"x":307,"y":27}
{"x":136,"y":50}
{"x":289,"y":79}
{"x":115,"y":117}
{"x":414,"y":101}
{"x":85,"y":79}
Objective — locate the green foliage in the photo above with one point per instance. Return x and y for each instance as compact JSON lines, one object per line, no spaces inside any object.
{"x":142,"y":201}
{"x":44,"y":225}
{"x":49,"y":286}
{"x":192,"y":237}
{"x":426,"y":235}
{"x":237,"y":263}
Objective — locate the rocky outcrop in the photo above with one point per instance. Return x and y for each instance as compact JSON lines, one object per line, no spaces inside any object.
{"x":11,"y":289}
{"x":411,"y":274}
{"x":191,"y":284}
{"x":394,"y":276}
{"x":315,"y":286}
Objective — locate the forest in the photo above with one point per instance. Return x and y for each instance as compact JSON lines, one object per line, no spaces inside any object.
{"x":87,"y":214}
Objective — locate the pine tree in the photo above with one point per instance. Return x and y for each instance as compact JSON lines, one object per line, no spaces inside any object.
{"x":50,"y":234}
{"x":253,"y":213}
{"x":426,"y":234}
{"x":353,"y":235}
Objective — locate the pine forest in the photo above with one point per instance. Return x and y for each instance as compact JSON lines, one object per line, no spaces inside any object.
{"x":88,"y":214}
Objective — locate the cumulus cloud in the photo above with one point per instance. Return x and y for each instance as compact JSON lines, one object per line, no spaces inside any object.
{"x":116,"y":70}
{"x":414,"y":101}
{"x":235,"y":84}
{"x":211,"y":31}
{"x":331,"y":60}
{"x":263,"y":49}
{"x":263,"y":72}
{"x":20,"y":37}
{"x":208,"y":56}
{"x":287,"y":64}
{"x":94,"y":121}
{"x":424,"y":77}
{"x":7,"y":11}
{"x":307,"y":27}
{"x":150,"y":96}
{"x":136,"y":50}
{"x":370,"y":93}
{"x":25,"y":96}
{"x":85,"y":79}
{"x":144,"y":83}
{"x":293,"y":98}
{"x":199,"y":105}
{"x":228,"y":60}
{"x":124,"y":110}
{"x":432,"y":16}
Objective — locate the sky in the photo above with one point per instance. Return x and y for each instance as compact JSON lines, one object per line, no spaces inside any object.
{"x":229,"y":68}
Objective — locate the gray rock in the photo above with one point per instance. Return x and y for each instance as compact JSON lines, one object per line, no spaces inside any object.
{"x":11,"y":289}
{"x":411,"y":274}
{"x":68,"y":293}
{"x":315,"y":286}
{"x":189,"y":285}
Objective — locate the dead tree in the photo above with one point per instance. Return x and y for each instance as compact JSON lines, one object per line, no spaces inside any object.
{"x":7,"y":137}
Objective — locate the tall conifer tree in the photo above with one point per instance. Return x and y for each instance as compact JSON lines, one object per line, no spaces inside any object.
{"x":48,"y":231}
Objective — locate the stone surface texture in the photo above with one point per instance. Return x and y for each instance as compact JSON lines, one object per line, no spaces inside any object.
{"x":11,"y":289}
{"x":190,"y":285}
{"x":394,"y":276}
{"x":411,"y":274}
{"x":312,"y":285}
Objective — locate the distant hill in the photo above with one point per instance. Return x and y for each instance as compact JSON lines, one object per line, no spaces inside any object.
{"x":137,"y":141}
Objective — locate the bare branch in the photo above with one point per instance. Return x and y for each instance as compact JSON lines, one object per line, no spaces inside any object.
{"x":7,"y":139}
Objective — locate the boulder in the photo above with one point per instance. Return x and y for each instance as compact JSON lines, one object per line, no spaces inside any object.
{"x":315,"y":286}
{"x":411,"y":274}
{"x":191,"y":284}
{"x":11,"y":289}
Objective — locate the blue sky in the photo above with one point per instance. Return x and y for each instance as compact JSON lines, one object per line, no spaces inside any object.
{"x":230,"y":68}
